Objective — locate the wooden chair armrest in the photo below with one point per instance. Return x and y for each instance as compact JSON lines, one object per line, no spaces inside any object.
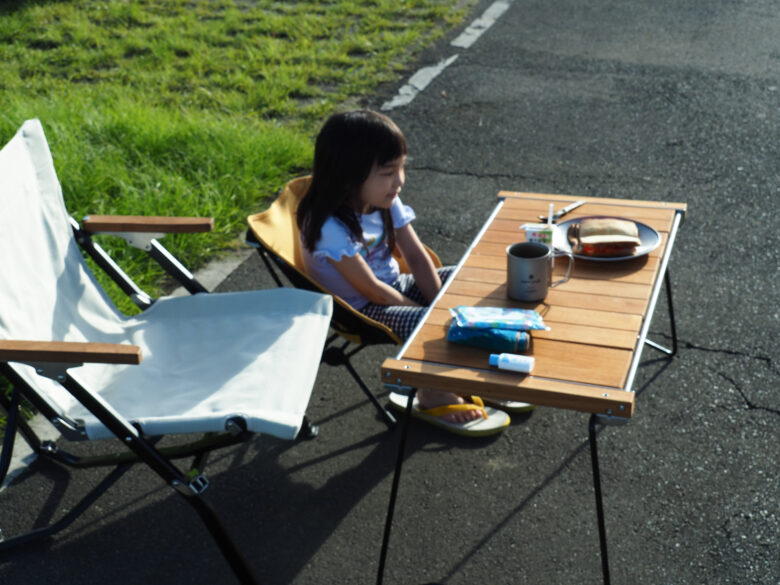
{"x":149,"y":224}
{"x":68,"y":352}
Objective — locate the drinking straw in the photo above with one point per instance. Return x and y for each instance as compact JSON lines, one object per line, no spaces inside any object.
{"x":552,"y":234}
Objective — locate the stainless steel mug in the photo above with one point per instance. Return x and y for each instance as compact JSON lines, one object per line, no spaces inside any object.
{"x":529,"y":270}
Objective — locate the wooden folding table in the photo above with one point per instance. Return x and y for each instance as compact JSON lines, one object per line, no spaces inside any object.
{"x":599,"y":321}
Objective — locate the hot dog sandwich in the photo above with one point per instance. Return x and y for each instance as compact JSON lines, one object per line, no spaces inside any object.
{"x":604,"y":236}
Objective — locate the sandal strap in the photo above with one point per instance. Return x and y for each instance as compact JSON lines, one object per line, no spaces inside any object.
{"x":476,"y":404}
{"x":474,"y":399}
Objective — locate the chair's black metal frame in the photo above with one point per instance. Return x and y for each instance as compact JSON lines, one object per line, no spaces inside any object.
{"x":140,"y":449}
{"x":154,"y":249}
{"x":353,"y":332}
{"x":594,"y":421}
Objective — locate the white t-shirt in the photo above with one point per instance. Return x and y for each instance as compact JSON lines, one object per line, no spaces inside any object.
{"x":336,"y":241}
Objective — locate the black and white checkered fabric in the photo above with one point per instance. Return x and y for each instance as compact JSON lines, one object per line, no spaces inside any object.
{"x":402,"y":320}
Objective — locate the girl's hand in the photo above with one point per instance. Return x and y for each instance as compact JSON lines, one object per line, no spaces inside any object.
{"x":358,"y":273}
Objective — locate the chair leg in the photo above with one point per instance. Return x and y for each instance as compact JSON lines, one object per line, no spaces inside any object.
{"x":308,"y":429}
{"x":672,"y":323}
{"x":12,"y":410}
{"x":334,"y":356}
{"x":222,"y":537}
{"x":387,"y":417}
{"x":270,"y":268}
{"x":399,"y":461}
{"x":594,"y":459}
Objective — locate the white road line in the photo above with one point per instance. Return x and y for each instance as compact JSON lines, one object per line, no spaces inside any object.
{"x":417,"y":82}
{"x":480,"y":25}
{"x":420,"y":80}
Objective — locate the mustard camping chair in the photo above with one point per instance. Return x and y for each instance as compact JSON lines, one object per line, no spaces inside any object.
{"x":217,"y":368}
{"x":274,"y":232}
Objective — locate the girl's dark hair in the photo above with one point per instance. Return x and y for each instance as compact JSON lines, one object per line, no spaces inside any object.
{"x":346,"y":149}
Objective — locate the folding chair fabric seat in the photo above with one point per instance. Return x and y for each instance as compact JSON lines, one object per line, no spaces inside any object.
{"x":204,"y":364}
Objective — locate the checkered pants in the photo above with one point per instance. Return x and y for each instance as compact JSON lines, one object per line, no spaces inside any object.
{"x":403,"y":320}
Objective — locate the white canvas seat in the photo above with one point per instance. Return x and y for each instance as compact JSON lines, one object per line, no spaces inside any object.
{"x":207,"y":359}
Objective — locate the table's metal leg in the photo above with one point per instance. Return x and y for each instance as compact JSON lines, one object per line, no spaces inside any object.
{"x":669,"y":301}
{"x":670,"y":304}
{"x":594,"y":459}
{"x":394,"y":489}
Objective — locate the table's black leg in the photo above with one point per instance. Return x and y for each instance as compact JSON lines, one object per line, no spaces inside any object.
{"x":594,"y":459}
{"x":668,"y":284}
{"x":394,"y":489}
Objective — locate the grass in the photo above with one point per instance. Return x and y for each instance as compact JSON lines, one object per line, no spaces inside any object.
{"x":172,"y":107}
{"x":199,"y":107}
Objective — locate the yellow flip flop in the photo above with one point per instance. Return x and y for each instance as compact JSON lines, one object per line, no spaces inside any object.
{"x":492,"y":422}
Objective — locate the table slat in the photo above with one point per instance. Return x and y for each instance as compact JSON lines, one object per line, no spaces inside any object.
{"x":610,"y":271}
{"x":580,"y":285}
{"x":493,"y":294}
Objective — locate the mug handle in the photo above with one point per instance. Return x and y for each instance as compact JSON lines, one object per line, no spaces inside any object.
{"x":570,"y":256}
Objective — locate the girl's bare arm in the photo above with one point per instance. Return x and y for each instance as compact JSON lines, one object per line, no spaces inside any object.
{"x":358,"y":273}
{"x":419,"y":261}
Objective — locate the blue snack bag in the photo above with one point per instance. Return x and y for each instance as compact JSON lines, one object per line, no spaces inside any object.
{"x":498,"y":318}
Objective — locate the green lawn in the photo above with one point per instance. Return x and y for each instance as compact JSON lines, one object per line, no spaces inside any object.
{"x":167,"y":107}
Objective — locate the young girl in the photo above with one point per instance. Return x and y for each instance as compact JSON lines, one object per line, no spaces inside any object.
{"x":351,"y":219}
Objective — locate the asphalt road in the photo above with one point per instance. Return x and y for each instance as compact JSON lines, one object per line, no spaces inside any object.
{"x":666,"y":100}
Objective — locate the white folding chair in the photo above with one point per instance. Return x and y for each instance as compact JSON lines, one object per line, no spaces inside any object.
{"x":227,"y":364}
